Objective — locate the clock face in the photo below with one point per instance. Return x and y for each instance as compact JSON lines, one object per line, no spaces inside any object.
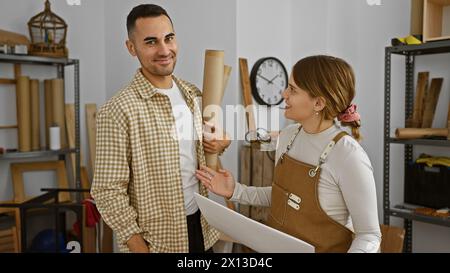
{"x":268,"y":79}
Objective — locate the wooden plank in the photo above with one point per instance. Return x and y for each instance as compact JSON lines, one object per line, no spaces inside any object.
{"x":17,"y":71}
{"x":431,"y":102}
{"x":245,"y":176}
{"x":18,"y":185}
{"x":70,"y":127}
{"x":85,"y":182}
{"x":416,"y":17}
{"x":7,"y":239}
{"x":247,"y":93}
{"x":422,"y":86}
{"x":91,"y":113}
{"x":8,"y":81}
{"x":257,"y":212}
{"x":89,"y":242}
{"x":107,"y":240}
{"x":9,"y":127}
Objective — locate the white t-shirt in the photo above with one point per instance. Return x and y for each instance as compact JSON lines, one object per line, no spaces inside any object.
{"x":186,"y":136}
{"x":346,"y":191}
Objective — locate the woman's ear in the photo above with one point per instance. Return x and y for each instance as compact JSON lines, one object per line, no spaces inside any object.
{"x":319,"y":104}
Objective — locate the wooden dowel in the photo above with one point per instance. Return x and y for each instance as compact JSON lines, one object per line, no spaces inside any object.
{"x":9,"y":127}
{"x":8,"y":81}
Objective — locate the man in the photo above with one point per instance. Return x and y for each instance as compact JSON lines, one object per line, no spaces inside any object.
{"x":148,"y":149}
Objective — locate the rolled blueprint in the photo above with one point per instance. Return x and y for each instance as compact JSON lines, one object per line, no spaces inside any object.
{"x":412,"y":133}
{"x":35,"y":113}
{"x":58,"y":109}
{"x":23,"y":113}
{"x":48,"y":110}
{"x":213,"y":82}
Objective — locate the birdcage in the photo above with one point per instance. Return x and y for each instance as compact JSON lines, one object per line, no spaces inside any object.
{"x":48,"y":34}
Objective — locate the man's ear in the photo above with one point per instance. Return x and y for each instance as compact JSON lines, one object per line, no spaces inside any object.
{"x":131,"y":48}
{"x":320,"y":104}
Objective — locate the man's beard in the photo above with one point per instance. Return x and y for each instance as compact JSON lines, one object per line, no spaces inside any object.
{"x":163,"y":71}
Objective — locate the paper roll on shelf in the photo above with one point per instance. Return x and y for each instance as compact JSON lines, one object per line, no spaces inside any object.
{"x":58,"y":104}
{"x":48,"y":105}
{"x":413,"y":133}
{"x":213,"y":83}
{"x":23,"y":113}
{"x":55,"y":138}
{"x":35,"y":113}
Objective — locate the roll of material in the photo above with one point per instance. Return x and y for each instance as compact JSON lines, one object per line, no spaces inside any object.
{"x":48,"y":110}
{"x":35,"y":113}
{"x":23,"y":113}
{"x":413,"y":133}
{"x":213,"y":83}
{"x":55,"y":138}
{"x":58,"y":104}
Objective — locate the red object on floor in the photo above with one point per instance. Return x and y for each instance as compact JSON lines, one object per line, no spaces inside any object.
{"x":92,"y":215}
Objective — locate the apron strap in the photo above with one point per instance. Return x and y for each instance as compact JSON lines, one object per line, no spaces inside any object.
{"x":326,"y":152}
{"x":290,"y":143}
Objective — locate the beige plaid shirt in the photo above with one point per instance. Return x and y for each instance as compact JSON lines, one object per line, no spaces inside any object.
{"x":137,"y":182}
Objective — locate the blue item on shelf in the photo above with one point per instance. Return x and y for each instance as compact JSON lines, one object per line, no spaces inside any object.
{"x":44,"y":241}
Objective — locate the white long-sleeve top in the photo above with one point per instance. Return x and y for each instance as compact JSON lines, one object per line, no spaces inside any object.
{"x":346,"y":191}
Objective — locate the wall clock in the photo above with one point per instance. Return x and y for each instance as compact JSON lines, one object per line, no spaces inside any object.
{"x":268,"y":80}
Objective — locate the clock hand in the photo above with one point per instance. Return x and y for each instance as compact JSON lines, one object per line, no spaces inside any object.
{"x":271,"y":81}
{"x":264,"y":78}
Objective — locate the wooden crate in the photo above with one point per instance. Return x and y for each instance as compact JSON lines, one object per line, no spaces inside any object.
{"x":436,"y":20}
{"x":256,"y":170}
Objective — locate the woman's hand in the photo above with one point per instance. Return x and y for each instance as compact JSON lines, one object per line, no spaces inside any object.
{"x":221,"y":183}
{"x":215,"y":141}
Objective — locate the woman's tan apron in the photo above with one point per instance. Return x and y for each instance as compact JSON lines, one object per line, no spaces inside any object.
{"x":295,"y":206}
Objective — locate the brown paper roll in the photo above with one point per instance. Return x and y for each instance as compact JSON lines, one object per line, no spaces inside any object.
{"x":48,"y":110}
{"x":58,"y":104}
{"x":35,"y":113}
{"x":413,"y":133}
{"x":226,"y":77}
{"x":23,"y":113}
{"x":213,"y":83}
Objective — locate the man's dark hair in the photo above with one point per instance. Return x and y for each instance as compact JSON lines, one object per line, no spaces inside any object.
{"x":144,"y":11}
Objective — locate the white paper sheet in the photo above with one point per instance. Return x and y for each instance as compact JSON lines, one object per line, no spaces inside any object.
{"x":253,"y":234}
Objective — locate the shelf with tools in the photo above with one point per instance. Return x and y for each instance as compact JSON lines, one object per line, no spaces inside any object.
{"x":407,"y":211}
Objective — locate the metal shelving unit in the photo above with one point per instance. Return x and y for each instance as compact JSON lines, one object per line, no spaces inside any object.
{"x":405,"y":211}
{"x":42,"y":201}
{"x":60,"y":64}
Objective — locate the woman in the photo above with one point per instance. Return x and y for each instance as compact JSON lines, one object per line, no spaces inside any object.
{"x":323,"y":190}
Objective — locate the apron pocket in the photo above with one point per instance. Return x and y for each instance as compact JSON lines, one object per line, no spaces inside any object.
{"x":279,"y":201}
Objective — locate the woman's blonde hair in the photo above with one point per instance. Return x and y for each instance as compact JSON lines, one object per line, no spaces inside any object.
{"x":334,"y":80}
